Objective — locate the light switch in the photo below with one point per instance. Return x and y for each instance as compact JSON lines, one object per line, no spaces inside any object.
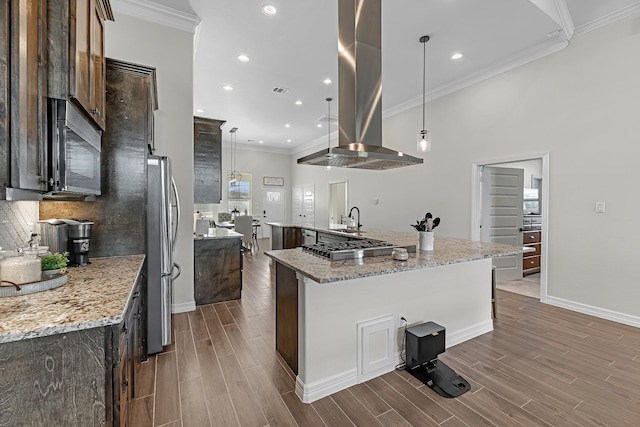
{"x":601,"y":207}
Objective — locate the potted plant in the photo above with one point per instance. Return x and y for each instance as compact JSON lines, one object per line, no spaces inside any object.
{"x":55,"y":263}
{"x":425,"y":228}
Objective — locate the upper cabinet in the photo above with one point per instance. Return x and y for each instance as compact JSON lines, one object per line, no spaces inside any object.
{"x":207,"y":154}
{"x":76,"y":66}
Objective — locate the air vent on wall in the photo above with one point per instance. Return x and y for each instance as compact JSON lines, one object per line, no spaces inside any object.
{"x":280,"y":90}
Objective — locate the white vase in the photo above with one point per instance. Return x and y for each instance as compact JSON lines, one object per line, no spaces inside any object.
{"x":425,"y":240}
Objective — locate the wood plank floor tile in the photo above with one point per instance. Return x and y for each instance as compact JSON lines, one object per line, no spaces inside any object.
{"x":198,"y":327}
{"x":247,"y":408}
{"x":167,"y":397}
{"x":186,"y":356}
{"x":212,"y":380}
{"x":219,"y":338}
{"x":392,"y":419}
{"x":331,"y":413}
{"x":193,"y":404}
{"x":422,"y":401}
{"x":402,"y":406}
{"x":304,"y":414}
{"x":223,"y":314}
{"x":370,"y":400}
{"x":265,"y":356}
{"x":273,"y":407}
{"x":514,"y":412}
{"x":240,"y":346}
{"x":208,"y":311}
{"x":142,"y":412}
{"x":180,"y":322}
{"x":145,"y":380}
{"x":357,"y":413}
{"x":222,"y":412}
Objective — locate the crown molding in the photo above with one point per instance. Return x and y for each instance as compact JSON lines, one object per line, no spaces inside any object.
{"x":608,"y":19}
{"x":261,"y":148}
{"x":159,"y":14}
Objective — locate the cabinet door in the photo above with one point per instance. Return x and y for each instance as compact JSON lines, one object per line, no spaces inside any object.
{"x":97,"y":67}
{"x":28,"y":111}
{"x":207,"y":145}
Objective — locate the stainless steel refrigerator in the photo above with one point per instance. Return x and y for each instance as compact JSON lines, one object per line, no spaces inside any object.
{"x":163,"y":216}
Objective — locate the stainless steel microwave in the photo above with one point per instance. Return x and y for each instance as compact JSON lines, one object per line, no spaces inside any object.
{"x":74,"y":151}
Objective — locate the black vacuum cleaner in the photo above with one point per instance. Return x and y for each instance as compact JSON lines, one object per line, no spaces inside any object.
{"x":424,"y":342}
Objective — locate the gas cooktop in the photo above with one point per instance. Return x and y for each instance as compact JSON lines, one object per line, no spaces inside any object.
{"x":353,"y":249}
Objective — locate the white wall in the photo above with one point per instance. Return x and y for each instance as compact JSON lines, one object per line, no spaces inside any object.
{"x":582,"y":106}
{"x":170,"y":51}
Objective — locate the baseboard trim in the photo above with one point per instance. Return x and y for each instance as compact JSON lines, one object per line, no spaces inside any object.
{"x":183,"y":307}
{"x":308,"y":393}
{"x":468,"y":333}
{"x":602,"y":313}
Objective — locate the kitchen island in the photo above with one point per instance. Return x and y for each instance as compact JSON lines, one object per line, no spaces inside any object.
{"x":217,"y":266}
{"x":68,"y":355}
{"x":338,"y":322}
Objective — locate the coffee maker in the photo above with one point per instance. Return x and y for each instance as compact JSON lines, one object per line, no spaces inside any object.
{"x":68,"y":235}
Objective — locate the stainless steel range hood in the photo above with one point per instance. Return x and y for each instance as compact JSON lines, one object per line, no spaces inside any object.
{"x":360,"y":93}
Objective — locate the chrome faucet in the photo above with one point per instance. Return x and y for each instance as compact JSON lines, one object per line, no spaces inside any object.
{"x":356,"y":208}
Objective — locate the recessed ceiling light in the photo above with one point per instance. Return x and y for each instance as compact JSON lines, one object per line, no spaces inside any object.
{"x":227,"y":87}
{"x":327,"y":81}
{"x":287,"y":125}
{"x":288,"y":140}
{"x":269,"y":9}
{"x":243,"y":58}
{"x":319,"y":125}
{"x":199,"y":110}
{"x":298,"y":102}
{"x":261,"y":142}
{"x":456,"y":56}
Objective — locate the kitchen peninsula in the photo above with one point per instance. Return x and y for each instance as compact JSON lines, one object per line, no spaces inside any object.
{"x":338,"y":322}
{"x":69,"y":355}
{"x":217,"y":265}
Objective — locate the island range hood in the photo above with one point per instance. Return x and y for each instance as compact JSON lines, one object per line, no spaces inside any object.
{"x":360,"y":94}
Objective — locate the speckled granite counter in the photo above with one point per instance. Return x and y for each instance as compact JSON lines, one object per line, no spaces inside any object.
{"x":218,"y":233}
{"x":446,"y":251}
{"x":94,"y":296}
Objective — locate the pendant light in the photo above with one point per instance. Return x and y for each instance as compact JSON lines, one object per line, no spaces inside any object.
{"x":328,"y":167}
{"x":234,"y":176}
{"x":424,"y":136}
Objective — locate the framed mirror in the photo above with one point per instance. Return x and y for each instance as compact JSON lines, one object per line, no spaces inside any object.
{"x":338,"y":203}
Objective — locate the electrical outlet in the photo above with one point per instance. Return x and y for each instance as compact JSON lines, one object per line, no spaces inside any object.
{"x":401,"y":322}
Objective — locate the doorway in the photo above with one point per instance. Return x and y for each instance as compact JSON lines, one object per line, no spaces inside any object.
{"x":272,"y":208}
{"x":338,"y":203}
{"x":538,"y":180}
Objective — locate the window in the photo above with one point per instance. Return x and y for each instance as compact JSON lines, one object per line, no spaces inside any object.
{"x":239,"y":195}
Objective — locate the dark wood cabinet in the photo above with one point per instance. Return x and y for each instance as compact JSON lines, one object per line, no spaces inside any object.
{"x":531,"y":260}
{"x":77,"y":65}
{"x":283,"y":237}
{"x":207,"y":156}
{"x":217,"y":270}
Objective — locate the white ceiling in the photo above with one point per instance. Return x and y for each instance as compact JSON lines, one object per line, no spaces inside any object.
{"x":297,"y":49}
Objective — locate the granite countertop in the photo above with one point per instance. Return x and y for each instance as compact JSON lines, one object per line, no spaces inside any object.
{"x":218,"y":233}
{"x":446,"y":251}
{"x":94,"y":296}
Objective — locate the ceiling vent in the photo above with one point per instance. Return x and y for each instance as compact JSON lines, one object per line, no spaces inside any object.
{"x":280,"y":90}
{"x":327,"y":119}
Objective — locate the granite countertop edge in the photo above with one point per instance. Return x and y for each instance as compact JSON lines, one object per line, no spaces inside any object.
{"x":35,"y":315}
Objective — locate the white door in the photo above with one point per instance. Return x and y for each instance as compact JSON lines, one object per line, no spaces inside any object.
{"x":502,"y":198}
{"x":308,"y":206}
{"x":296,"y":205}
{"x":272,"y":208}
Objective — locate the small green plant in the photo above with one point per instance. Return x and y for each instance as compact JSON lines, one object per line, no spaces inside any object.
{"x":54,"y":261}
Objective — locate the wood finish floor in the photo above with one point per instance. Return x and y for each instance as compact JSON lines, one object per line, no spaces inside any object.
{"x":541,"y":366}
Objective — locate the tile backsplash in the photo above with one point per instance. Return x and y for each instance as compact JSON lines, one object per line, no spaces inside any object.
{"x":17,"y":220}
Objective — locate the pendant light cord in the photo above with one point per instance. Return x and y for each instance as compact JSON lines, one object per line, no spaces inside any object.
{"x":424,"y":40}
{"x":329,"y":122}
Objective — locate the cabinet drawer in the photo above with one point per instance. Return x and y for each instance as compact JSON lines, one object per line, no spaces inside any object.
{"x":531,"y":237}
{"x":537,"y":252}
{"x":533,"y":262}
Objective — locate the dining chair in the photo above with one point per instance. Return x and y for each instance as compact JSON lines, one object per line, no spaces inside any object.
{"x":224,"y":217}
{"x":243,"y":225}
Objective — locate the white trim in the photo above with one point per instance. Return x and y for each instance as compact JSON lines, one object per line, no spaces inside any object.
{"x":608,"y":19}
{"x":466,"y":334}
{"x":367,"y":368}
{"x":602,"y":313}
{"x":476,"y":197}
{"x":565,"y":19}
{"x":183,"y":307}
{"x":159,"y":14}
{"x":308,"y":393}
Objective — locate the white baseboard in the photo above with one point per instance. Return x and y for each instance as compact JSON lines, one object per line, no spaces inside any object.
{"x":468,"y":333}
{"x":603,"y":313}
{"x":183,"y":307}
{"x":308,"y":393}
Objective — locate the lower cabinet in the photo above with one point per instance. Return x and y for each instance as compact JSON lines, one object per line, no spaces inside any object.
{"x":531,"y":260}
{"x":217,"y":267}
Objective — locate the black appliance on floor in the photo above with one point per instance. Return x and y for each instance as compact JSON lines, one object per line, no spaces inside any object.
{"x":424,"y":342}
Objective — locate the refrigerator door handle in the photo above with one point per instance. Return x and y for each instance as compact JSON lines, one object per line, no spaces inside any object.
{"x":174,"y":237}
{"x":176,"y":266}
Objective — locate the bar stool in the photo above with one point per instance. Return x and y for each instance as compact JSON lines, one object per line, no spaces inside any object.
{"x":494,"y":299}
